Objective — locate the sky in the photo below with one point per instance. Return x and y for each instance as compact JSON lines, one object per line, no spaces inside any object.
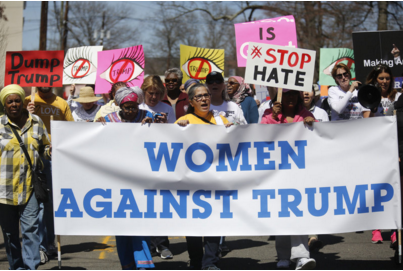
{"x":32,"y":14}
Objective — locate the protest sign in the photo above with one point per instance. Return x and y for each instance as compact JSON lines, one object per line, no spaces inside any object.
{"x":278,"y":31}
{"x":197,"y":62}
{"x":208,"y":180}
{"x":120,"y":65}
{"x":279,"y":66}
{"x":329,"y":57}
{"x":34,"y":68}
{"x":80,"y":65}
{"x":378,"y":47}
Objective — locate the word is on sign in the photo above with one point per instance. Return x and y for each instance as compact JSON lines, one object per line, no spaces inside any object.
{"x":280,"y":66}
{"x":279,"y":31}
{"x":34,"y":68}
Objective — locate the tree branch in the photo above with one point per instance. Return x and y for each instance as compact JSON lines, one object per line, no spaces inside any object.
{"x":217,"y":18}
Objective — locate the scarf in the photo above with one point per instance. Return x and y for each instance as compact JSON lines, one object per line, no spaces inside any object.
{"x":242,"y":92}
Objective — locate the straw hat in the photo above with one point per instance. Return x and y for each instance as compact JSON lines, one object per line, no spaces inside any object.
{"x":87,"y":96}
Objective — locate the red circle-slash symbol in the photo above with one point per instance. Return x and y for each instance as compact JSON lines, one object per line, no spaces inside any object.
{"x":76,"y":70}
{"x":199,"y":68}
{"x":119,"y":70}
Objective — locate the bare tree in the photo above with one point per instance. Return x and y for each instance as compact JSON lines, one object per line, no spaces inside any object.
{"x":210,"y":9}
{"x":170,"y":33}
{"x":383,"y":15}
{"x":95,"y":23}
{"x":319,"y":23}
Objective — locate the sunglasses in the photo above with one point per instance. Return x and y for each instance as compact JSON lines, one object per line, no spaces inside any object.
{"x":171,"y":81}
{"x":128,"y":109}
{"x":199,"y":97}
{"x":232,"y":83}
{"x":218,"y":81}
{"x":341,"y":75}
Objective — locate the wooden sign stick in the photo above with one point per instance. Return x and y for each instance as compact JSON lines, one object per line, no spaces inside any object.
{"x":33,"y":90}
{"x":279,"y":94}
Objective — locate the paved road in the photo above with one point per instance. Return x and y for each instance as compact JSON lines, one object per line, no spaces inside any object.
{"x":340,"y":251}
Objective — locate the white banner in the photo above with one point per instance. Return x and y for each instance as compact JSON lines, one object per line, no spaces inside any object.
{"x":280,"y":66}
{"x":201,"y":180}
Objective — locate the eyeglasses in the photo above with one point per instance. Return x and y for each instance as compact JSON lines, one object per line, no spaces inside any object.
{"x":341,"y":75}
{"x":218,"y":81}
{"x":232,"y":83}
{"x":128,"y":109}
{"x":167,"y":81}
{"x":199,"y":97}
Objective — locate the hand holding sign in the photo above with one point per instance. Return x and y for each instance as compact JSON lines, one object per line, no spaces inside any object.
{"x":395,"y":51}
{"x":31,"y":107}
{"x":280,"y":66}
{"x":72,"y":89}
{"x":277,"y":109}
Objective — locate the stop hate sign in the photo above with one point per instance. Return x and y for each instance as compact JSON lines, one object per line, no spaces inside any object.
{"x":280,"y":66}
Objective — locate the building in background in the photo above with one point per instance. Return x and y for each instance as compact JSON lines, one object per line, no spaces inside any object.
{"x":10,"y":34}
{"x":10,"y":31}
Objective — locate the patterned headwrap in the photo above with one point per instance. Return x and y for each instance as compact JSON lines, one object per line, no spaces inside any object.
{"x":133,"y":94}
{"x":242,"y":92}
{"x":11,"y":89}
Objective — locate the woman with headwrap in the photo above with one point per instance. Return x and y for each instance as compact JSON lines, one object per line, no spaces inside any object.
{"x":128,"y":99}
{"x":111,"y":106}
{"x":133,"y":251}
{"x":17,"y":199}
{"x":240,"y":93}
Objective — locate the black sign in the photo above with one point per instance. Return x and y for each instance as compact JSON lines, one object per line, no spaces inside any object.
{"x":378,"y":47}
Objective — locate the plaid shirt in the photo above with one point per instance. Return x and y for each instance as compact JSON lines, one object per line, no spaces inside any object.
{"x":15,"y":172}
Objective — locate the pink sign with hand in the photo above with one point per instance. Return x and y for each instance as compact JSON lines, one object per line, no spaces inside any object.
{"x":278,"y":31}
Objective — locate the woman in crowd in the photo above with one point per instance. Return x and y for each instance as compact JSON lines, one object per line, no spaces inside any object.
{"x":220,"y":100}
{"x":89,"y":108}
{"x":241,"y":94}
{"x":111,"y":106}
{"x":175,"y":97}
{"x":342,"y":98}
{"x":18,"y":203}
{"x":382,"y":77}
{"x":309,"y":104}
{"x":133,"y":251}
{"x":199,"y":113}
{"x":291,"y":109}
{"x":154,"y":91}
